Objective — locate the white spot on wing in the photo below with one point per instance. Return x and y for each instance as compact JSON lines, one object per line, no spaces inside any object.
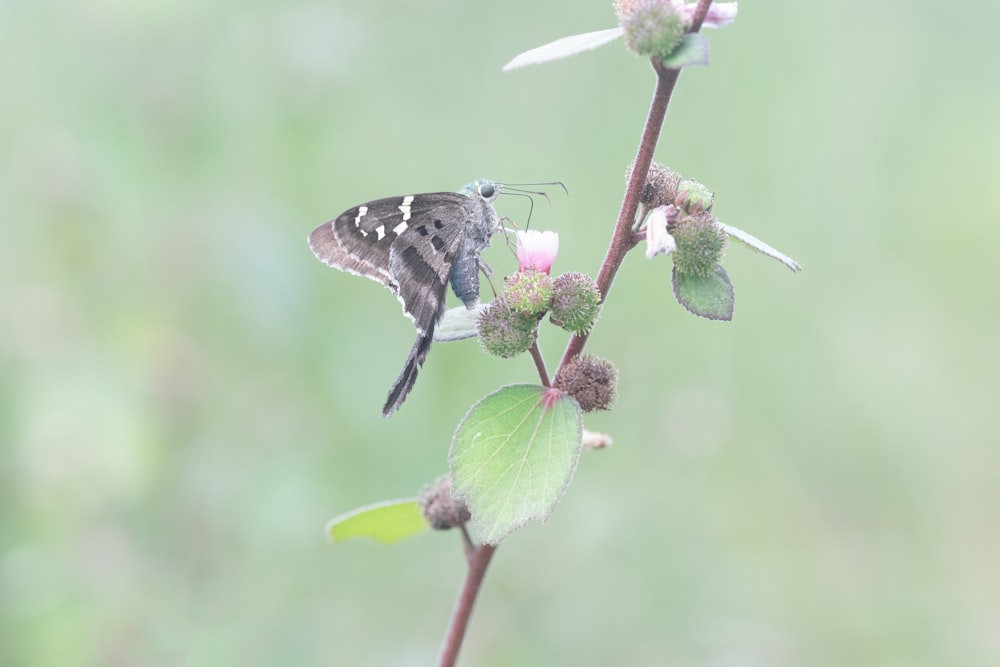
{"x":405,"y":207}
{"x":380,"y":230}
{"x":400,"y":228}
{"x":362,"y":211}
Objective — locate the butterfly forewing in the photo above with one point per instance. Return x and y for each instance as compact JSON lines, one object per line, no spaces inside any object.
{"x":406,"y":243}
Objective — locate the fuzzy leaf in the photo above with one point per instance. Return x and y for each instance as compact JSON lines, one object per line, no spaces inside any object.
{"x":694,"y":49}
{"x":708,"y":296}
{"x":458,"y":323}
{"x":387,"y":522}
{"x":513,"y":456}
{"x":565,"y":47}
{"x":754,"y":243}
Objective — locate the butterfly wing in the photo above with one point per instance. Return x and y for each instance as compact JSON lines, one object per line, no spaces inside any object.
{"x":408,"y":244}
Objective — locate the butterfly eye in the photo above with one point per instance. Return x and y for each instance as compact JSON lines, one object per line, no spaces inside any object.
{"x":487,"y":190}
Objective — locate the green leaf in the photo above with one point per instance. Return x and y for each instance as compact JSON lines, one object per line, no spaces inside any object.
{"x":754,"y":243}
{"x":387,"y":522}
{"x":708,"y":296}
{"x":694,"y":49}
{"x":513,"y":456}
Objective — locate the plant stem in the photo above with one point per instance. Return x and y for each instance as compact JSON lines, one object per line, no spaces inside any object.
{"x":536,"y":354}
{"x":478,"y":558}
{"x":700,"y":12}
{"x":622,"y":239}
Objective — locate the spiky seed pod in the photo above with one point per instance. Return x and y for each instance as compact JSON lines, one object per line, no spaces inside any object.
{"x":576,"y":302}
{"x":592,"y":381}
{"x":528,"y":293}
{"x":700,"y":243}
{"x":503,"y":332}
{"x":439,"y":507}
{"x":660,"y":187}
{"x":652,"y":27}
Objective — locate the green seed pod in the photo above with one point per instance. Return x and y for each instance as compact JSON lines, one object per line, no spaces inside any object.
{"x":576,"y":302}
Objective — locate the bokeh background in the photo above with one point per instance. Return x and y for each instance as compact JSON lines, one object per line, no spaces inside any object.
{"x":187,"y":396}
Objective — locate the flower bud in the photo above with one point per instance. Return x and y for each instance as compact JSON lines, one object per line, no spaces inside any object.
{"x":660,"y":187}
{"x":700,"y":242}
{"x":536,"y":250}
{"x":595,"y":440}
{"x":576,"y":302}
{"x":528,"y":292}
{"x":652,"y":27}
{"x":693,"y":197}
{"x":504,"y":333}
{"x":592,"y":381}
{"x":439,"y":507}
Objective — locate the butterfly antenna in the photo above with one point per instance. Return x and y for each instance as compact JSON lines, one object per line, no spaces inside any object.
{"x":520,"y":185}
{"x":515,"y":189}
{"x":530,"y":198}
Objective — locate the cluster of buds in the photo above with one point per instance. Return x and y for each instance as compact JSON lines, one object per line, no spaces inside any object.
{"x":660,"y":188}
{"x":508,"y":326}
{"x":680,"y":222}
{"x":656,"y":27}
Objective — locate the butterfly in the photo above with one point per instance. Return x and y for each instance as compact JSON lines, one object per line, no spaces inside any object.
{"x":415,"y":245}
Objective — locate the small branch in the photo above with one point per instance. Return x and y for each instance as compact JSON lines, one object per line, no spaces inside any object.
{"x":536,"y":355}
{"x":467,"y":541}
{"x":478,"y":558}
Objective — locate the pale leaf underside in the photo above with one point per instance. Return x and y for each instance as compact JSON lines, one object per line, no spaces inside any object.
{"x":565,"y":47}
{"x":755,"y":243}
{"x":458,"y":323}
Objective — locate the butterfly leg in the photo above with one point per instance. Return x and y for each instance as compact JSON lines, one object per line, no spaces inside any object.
{"x":488,"y":272}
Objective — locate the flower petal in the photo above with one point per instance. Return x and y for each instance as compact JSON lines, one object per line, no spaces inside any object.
{"x":537,"y":250}
{"x":719,"y":13}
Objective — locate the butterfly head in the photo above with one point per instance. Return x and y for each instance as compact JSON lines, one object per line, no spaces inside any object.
{"x":483,"y":188}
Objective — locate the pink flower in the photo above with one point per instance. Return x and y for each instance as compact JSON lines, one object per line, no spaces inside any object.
{"x":536,"y":250}
{"x":719,"y":13}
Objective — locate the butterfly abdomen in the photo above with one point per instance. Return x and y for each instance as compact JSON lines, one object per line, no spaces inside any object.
{"x":479,"y":228}
{"x":465,"y":279}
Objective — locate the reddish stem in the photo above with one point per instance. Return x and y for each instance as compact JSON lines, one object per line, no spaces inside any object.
{"x":478,"y":558}
{"x":622,"y":239}
{"x":536,"y":355}
{"x":701,"y":11}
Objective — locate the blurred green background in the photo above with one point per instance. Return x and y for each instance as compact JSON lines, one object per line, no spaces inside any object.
{"x":187,"y":395}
